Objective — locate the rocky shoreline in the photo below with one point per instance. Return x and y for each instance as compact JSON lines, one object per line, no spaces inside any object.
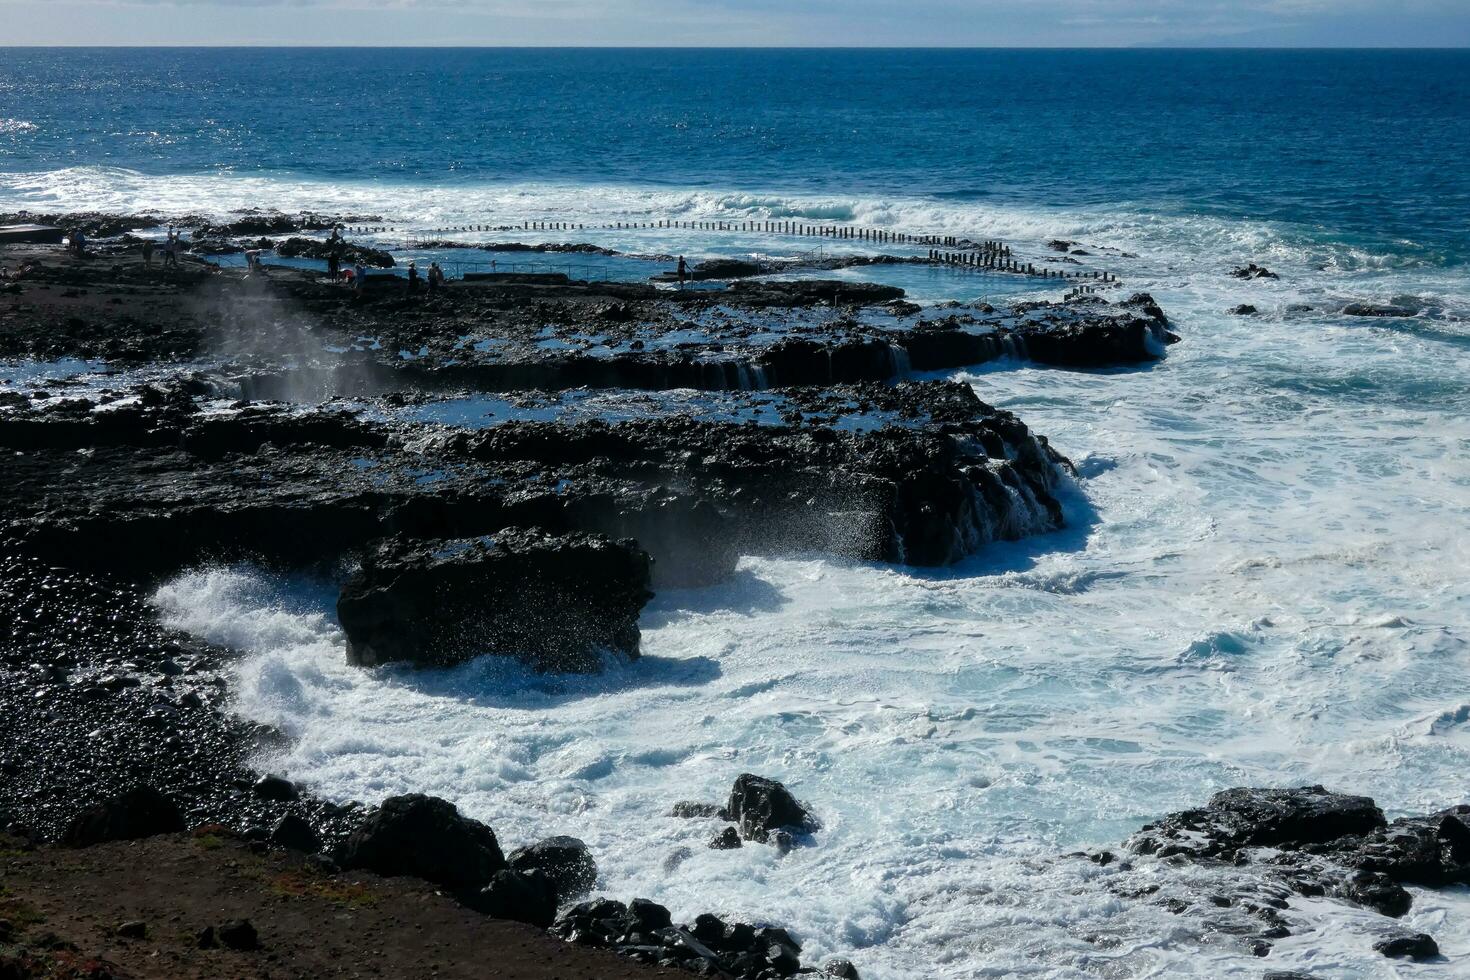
{"x":567,"y":447}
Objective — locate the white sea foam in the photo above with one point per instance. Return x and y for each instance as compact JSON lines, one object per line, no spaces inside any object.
{"x":1265,"y":585}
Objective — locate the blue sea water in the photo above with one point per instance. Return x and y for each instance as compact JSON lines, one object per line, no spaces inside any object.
{"x":1267,"y":572}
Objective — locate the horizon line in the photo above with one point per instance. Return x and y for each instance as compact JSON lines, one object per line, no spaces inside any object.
{"x":246,"y":45}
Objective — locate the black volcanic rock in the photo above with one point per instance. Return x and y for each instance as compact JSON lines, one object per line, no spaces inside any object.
{"x":726,"y":269}
{"x":424,"y":837}
{"x":1414,"y":946}
{"x":565,"y":861}
{"x":1378,"y":310}
{"x":1262,"y":818}
{"x":558,"y":601}
{"x":759,"y":806}
{"x":294,"y":833}
{"x":347,"y":252}
{"x":523,"y":896}
{"x":1253,"y":271}
{"x":140,"y":812}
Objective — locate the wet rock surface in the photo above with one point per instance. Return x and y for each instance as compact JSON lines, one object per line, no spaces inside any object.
{"x":558,"y":600}
{"x":1281,"y":845}
{"x":709,"y":946}
{"x":645,"y":438}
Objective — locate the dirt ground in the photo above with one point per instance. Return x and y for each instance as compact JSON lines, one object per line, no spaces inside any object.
{"x":63,"y":909}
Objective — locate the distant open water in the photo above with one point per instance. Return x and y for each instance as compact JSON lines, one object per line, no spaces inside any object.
{"x":1265,"y":580}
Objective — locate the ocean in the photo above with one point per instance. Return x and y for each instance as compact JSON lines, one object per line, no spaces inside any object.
{"x":1266,"y":575}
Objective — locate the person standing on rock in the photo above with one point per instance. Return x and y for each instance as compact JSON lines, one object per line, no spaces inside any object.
{"x":171,"y":249}
{"x":683,"y":271}
{"x":413,"y":277}
{"x":334,"y":262}
{"x":359,"y":278}
{"x":148,"y":253}
{"x":436,"y":277}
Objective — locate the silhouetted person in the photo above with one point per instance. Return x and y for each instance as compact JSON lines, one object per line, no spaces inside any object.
{"x":683,"y":271}
{"x":413,"y":278}
{"x":436,"y":278}
{"x":148,"y":252}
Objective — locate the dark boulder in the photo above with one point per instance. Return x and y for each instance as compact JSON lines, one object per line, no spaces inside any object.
{"x":759,"y":806}
{"x":559,"y":601}
{"x":1244,"y":309}
{"x":565,"y":861}
{"x":1245,"y":817}
{"x":1414,"y":946}
{"x":140,"y":812}
{"x":424,"y":837}
{"x":275,"y":788}
{"x":294,"y":833}
{"x":1253,"y":271}
{"x":522,"y":896}
{"x":843,"y":969}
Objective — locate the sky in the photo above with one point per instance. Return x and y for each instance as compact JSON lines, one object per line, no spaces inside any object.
{"x":736,"y":23}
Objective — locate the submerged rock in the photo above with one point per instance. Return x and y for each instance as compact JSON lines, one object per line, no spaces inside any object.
{"x":559,"y":601}
{"x":1378,"y":309}
{"x":424,"y":837}
{"x":1253,"y":271}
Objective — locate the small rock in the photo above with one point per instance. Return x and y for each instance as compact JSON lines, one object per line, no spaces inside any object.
{"x":1415,"y":946}
{"x":132,"y":930}
{"x":726,"y":840}
{"x":842,"y":969}
{"x":238,"y":934}
{"x":1244,"y":309}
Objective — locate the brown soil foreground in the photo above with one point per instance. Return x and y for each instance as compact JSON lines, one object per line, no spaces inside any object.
{"x":63,"y":908}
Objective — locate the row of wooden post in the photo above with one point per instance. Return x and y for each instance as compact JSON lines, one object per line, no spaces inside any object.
{"x":989,"y":254}
{"x":999,"y":258}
